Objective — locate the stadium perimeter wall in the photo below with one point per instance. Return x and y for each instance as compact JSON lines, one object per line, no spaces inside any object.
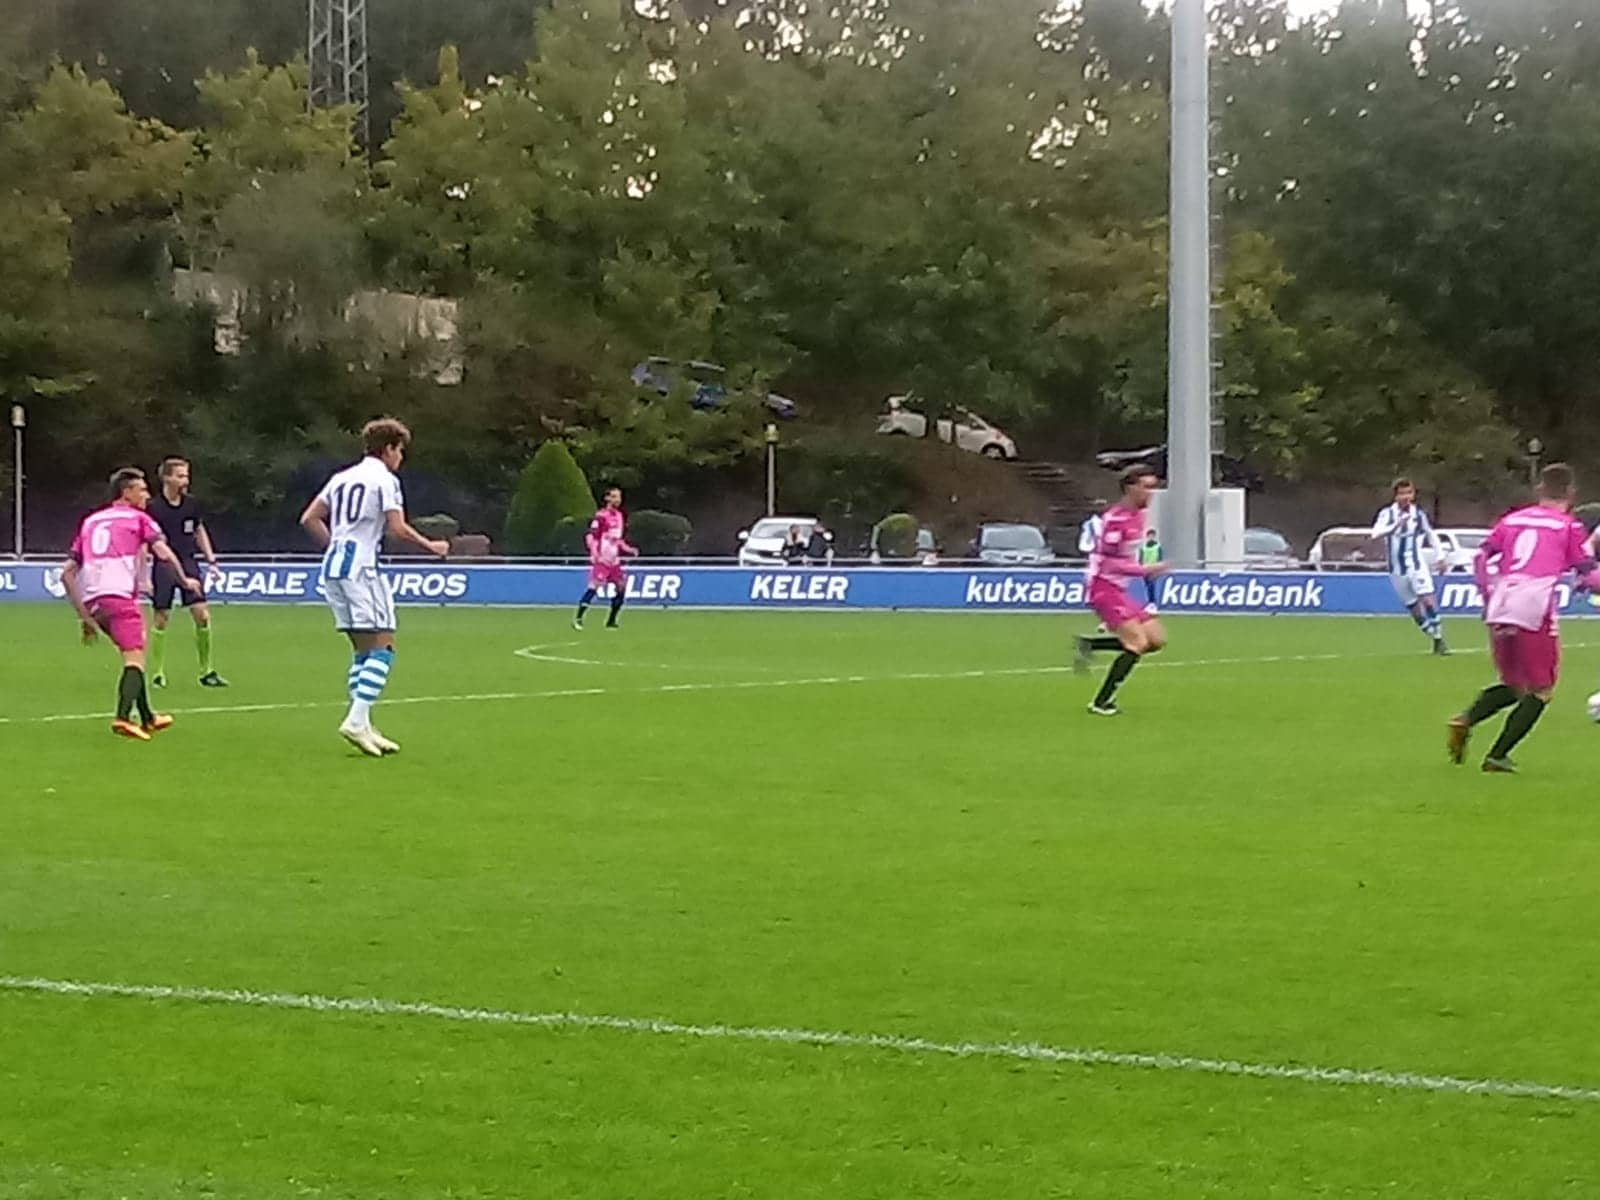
{"x":883,"y":588}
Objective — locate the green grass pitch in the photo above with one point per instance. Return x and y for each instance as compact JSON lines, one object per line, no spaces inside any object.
{"x":1265,"y":861}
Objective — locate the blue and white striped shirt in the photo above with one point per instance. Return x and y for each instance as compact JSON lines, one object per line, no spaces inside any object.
{"x":1406,"y":530}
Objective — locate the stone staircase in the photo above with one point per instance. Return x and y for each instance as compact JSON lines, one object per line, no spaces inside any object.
{"x":1067,"y":501}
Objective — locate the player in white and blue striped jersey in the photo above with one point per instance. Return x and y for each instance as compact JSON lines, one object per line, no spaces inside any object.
{"x":350,"y":518}
{"x":1414,"y":555}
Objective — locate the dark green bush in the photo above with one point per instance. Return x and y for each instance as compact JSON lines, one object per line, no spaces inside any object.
{"x":660,"y":534}
{"x":550,"y":490}
{"x":896,"y":536}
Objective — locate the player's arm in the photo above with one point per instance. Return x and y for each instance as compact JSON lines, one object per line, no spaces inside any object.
{"x":400,"y":529}
{"x":1384,"y":525}
{"x":1086,"y":538}
{"x":315,"y":522}
{"x":1434,"y":544}
{"x":1488,"y":557}
{"x":591,"y":540}
{"x":165,"y":554}
{"x":74,"y":594}
{"x":202,"y":537}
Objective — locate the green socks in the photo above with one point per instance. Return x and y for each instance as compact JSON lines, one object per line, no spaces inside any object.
{"x":202,"y":641}
{"x":158,"y":652}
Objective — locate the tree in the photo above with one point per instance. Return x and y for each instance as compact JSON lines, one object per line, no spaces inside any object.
{"x":551,"y":490}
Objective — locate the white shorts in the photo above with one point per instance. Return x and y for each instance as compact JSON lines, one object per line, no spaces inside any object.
{"x":360,"y":604}
{"x":1412,"y":586}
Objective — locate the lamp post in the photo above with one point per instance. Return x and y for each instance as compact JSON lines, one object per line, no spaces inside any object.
{"x":772,"y":469}
{"x":19,"y":421}
{"x":1535,"y":458}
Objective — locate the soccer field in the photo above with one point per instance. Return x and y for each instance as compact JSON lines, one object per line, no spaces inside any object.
{"x":794,"y":905}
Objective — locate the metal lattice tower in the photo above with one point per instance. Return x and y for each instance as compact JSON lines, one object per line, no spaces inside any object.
{"x":336,"y":51}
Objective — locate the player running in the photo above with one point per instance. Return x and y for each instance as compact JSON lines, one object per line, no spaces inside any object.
{"x":1518,"y":569}
{"x":1133,"y":629}
{"x":607,"y":548}
{"x":350,"y":517}
{"x":101,"y":580}
{"x":1406,"y":527}
{"x":184,"y":525}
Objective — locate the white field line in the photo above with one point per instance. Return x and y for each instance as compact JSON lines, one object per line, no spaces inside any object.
{"x":1017,"y":1051}
{"x":714,"y":686}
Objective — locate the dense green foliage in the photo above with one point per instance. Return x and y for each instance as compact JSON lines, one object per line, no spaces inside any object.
{"x":896,"y":535}
{"x":552,"y":499}
{"x":662,"y":534}
{"x":964,"y":197}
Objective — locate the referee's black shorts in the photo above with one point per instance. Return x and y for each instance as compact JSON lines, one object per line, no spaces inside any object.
{"x":166,"y":586}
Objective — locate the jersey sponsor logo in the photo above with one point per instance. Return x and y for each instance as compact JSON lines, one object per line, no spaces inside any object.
{"x":982,"y":589}
{"x":801,"y":588}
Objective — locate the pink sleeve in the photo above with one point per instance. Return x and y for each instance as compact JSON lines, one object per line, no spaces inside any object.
{"x":1579,"y":553}
{"x":592,"y":538}
{"x":149,"y":532}
{"x":1491,"y":549}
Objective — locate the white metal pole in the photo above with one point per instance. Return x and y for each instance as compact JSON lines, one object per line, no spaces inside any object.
{"x":1189,"y":290}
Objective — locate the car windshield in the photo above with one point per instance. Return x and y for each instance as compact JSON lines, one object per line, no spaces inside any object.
{"x":1264,"y":541}
{"x":779,"y":528}
{"x":1352,"y":547}
{"x":1469,"y":541}
{"x":1011,"y":537}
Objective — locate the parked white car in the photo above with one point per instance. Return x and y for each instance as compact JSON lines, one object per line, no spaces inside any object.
{"x":1352,"y":546}
{"x":964,"y":429}
{"x":1461,"y":547}
{"x":1268,"y":550}
{"x":762,"y":544}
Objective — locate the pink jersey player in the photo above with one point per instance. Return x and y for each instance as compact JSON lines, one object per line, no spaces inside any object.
{"x":607,"y":545}
{"x":101,"y":579}
{"x":1114,"y":561}
{"x":1130,"y":627}
{"x":107,"y":553}
{"x":1519,"y":568}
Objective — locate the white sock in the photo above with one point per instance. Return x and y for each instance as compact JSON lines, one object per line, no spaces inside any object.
{"x":360,"y":714}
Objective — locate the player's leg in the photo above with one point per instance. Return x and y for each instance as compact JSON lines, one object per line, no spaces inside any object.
{"x":163,"y":586}
{"x":1538,"y":662}
{"x":1427,"y":610}
{"x":123,"y":623}
{"x":200,"y":610}
{"x":584,"y":602}
{"x":1134,"y":637}
{"x":373,"y":638}
{"x":1494,"y":698}
{"x":619,"y":596}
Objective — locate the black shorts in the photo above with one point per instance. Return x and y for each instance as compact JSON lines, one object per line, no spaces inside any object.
{"x":166,"y":586}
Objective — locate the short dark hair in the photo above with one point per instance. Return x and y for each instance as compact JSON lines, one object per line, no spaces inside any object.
{"x":377,"y":436}
{"x":124,"y":478}
{"x":1402,"y":482}
{"x":1557,"y":481}
{"x":609,"y":488}
{"x":1135,"y":473}
{"x":170,"y":464}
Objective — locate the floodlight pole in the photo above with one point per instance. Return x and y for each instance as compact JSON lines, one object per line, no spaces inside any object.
{"x":1189,"y":290}
{"x":19,"y":421}
{"x":772,"y":469}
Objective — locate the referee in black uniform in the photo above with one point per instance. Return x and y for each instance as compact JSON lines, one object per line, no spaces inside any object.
{"x":178,"y":513}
